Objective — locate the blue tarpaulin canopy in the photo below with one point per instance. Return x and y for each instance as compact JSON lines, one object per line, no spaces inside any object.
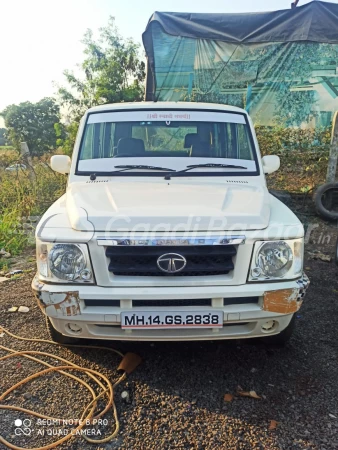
{"x":281,"y":66}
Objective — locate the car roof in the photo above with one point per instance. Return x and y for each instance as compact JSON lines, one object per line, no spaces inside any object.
{"x":166,"y":105}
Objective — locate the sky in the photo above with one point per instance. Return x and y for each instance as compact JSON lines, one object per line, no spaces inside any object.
{"x":39,"y":39}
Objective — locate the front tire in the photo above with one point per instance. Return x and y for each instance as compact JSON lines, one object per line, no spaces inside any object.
{"x":58,"y":337}
{"x":279,"y":340}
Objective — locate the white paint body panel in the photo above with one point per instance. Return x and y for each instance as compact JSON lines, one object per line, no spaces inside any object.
{"x":158,"y":205}
{"x":100,"y":322}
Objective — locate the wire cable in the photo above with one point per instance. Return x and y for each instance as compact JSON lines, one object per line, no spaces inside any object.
{"x":89,"y":415}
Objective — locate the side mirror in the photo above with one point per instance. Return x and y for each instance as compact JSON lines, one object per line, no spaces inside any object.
{"x":60,"y":163}
{"x":271,"y":163}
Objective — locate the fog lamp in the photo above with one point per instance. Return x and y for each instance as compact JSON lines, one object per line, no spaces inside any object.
{"x":74,"y":328}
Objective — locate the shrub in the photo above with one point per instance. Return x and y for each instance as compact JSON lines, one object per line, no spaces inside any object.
{"x":303,"y":154}
{"x":23,"y":196}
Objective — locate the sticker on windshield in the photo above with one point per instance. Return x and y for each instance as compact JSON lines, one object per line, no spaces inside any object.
{"x":164,"y":116}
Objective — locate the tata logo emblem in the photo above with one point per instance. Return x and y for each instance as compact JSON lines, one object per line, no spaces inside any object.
{"x":171,"y":263}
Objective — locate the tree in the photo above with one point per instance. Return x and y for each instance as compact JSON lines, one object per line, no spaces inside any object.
{"x":2,"y":136}
{"x":66,"y":135}
{"x":33,"y":123}
{"x":111,"y":72}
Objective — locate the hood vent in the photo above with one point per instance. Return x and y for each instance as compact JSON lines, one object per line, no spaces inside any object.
{"x":97,"y":181}
{"x":227,"y":181}
{"x":236,"y":181}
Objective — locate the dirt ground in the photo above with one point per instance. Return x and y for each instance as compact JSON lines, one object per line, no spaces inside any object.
{"x":177,"y":393}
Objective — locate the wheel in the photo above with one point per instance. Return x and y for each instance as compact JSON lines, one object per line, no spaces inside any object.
{"x":283,"y":337}
{"x":326,"y":201}
{"x":56,"y":336}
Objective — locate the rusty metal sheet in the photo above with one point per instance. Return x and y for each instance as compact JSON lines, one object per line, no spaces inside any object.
{"x":68,"y":306}
{"x":283,"y":301}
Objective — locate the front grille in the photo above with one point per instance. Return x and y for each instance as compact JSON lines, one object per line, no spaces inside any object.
{"x":142,"y":260}
{"x":153,"y":303}
{"x":174,"y":303}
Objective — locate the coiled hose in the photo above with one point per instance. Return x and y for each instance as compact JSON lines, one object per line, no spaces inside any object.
{"x":129,"y":362}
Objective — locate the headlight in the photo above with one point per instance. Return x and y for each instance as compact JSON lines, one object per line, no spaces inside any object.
{"x":277,"y":259}
{"x":66,"y":262}
{"x":274,"y":259}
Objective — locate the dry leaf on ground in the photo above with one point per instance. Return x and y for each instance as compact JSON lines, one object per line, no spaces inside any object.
{"x":251,"y":394}
{"x":228,"y":397}
{"x":273,"y":424}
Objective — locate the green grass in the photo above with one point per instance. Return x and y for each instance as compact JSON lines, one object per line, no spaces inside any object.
{"x":8,"y":155}
{"x":7,"y":149}
{"x":4,"y":264}
{"x":22,"y":197}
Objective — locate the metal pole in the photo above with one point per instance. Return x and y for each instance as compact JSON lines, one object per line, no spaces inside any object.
{"x":332,"y":163}
{"x":26,"y":157}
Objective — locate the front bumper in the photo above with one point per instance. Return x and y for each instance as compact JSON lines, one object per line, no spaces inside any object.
{"x":277,"y":302}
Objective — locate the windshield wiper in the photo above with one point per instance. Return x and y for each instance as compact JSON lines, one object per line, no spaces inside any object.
{"x":194,"y":166}
{"x":140,"y":166}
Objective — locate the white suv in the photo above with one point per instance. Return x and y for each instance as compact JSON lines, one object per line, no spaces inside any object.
{"x":167,"y":230}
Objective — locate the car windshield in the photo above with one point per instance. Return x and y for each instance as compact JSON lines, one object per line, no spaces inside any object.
{"x":167,"y":139}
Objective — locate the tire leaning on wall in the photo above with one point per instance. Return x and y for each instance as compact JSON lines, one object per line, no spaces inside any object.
{"x":318,"y":199}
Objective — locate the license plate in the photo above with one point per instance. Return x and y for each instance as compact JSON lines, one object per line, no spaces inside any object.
{"x":165,"y":319}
